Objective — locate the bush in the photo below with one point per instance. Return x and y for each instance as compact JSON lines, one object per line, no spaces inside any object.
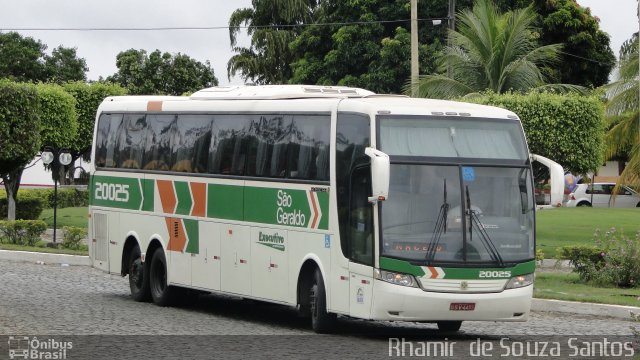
{"x":568,"y":129}
{"x":26,"y":208}
{"x":73,"y":236}
{"x":22,"y":232}
{"x":615,"y":261}
{"x":586,"y":260}
{"x":69,"y":198}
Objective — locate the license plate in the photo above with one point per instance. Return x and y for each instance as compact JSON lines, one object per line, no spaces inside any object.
{"x":462,"y":306}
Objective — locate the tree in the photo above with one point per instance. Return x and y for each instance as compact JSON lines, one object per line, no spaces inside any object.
{"x":490,"y":51}
{"x":23,"y":59}
{"x":586,"y":58}
{"x":269,"y":23}
{"x":19,"y":135}
{"x":622,"y":108}
{"x":161,"y":73}
{"x":64,"y":65}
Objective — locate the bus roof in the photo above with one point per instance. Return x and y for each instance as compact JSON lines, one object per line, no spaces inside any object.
{"x":225,"y":98}
{"x":278,"y":92}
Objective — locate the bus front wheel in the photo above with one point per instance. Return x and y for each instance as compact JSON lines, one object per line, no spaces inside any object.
{"x":449,"y":326}
{"x":321,"y":320}
{"x":161,"y":293}
{"x":138,"y":278}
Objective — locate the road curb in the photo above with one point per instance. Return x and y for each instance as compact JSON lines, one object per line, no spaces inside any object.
{"x":47,"y":258}
{"x":581,"y":308}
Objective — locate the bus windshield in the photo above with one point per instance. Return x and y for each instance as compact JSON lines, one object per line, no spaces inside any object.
{"x":455,"y":212}
{"x":452,"y":138}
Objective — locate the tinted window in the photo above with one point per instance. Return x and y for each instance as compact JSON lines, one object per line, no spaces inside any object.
{"x":103,"y":146}
{"x":191,"y":142}
{"x":108,"y":129}
{"x":228,"y":144}
{"x":130,"y":141}
{"x":267,"y":141}
{"x":160,"y":131}
{"x":308,"y":150}
{"x":353,"y":133}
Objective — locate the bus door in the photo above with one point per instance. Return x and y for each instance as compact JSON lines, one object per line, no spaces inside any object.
{"x":361,"y":242}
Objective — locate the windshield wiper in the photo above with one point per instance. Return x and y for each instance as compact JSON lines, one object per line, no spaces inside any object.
{"x":440,"y":228}
{"x":474,"y":221}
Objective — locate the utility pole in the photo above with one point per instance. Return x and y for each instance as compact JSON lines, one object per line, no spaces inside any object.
{"x":452,"y":15}
{"x":414,"y":48}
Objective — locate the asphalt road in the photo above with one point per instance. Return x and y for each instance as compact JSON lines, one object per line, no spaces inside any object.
{"x":72,"y":302}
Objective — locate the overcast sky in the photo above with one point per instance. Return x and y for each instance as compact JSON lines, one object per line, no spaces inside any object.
{"x":99,"y":48}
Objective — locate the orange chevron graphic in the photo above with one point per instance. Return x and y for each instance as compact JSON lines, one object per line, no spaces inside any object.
{"x":177,"y":235}
{"x":167,"y":196}
{"x":199,"y":195}
{"x":314,"y":221}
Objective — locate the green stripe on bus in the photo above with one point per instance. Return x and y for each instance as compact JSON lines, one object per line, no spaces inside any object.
{"x":225,"y":201}
{"x":148,"y":186}
{"x":193,"y":236}
{"x":474,"y":273}
{"x":323,"y":199}
{"x":406,"y":267}
{"x":116,"y":192}
{"x":400,"y":266}
{"x":183,"y":195}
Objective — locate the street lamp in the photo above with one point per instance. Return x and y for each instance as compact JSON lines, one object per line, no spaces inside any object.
{"x":55,"y":157}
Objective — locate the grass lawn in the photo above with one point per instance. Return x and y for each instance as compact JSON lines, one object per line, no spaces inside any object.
{"x":73,"y":216}
{"x":575,"y":226}
{"x":41,"y":247}
{"x":566,"y":286}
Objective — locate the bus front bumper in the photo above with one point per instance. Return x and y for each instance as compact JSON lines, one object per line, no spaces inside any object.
{"x":401,"y":303}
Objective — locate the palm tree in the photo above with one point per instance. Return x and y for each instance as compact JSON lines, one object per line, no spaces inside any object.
{"x":490,"y":51}
{"x":622,"y":107}
{"x":267,"y":60}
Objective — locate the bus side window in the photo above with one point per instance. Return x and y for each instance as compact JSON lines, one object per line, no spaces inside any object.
{"x":361,"y":217}
{"x":111,"y":151}
{"x":157,"y":152}
{"x":131,"y":142}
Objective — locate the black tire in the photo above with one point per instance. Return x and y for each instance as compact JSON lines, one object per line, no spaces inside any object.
{"x":161,"y":293}
{"x":138,"y":278}
{"x":584,"y":204}
{"x":322,"y":322}
{"x":638,"y":204}
{"x":449,"y":326}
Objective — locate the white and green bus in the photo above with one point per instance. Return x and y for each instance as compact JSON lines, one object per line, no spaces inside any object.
{"x":335,"y":200}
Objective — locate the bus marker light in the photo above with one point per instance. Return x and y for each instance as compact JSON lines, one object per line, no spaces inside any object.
{"x":243,"y":261}
{"x":343,"y":278}
{"x":366,"y":282}
{"x":216,"y":257}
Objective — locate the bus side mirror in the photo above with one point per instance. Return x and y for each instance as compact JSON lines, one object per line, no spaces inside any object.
{"x":380,"y":172}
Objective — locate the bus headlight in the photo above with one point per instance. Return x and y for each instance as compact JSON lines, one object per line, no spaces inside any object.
{"x":396,"y":278}
{"x":519,"y":281}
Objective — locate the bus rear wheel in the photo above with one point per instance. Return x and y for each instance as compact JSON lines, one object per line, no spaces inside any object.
{"x":449,"y":326}
{"x":322,"y":321}
{"x":138,"y":278}
{"x":161,"y":293}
